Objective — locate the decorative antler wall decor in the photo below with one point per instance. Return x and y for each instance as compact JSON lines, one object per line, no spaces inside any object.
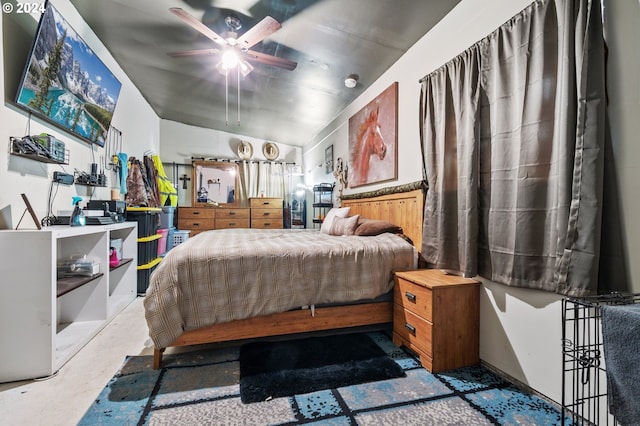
{"x":340,"y":174}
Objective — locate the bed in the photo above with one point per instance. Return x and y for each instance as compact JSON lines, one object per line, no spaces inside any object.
{"x":206,"y":289}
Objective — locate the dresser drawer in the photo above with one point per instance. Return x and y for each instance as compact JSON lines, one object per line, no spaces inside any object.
{"x":266,"y":203}
{"x":239,"y":213}
{"x":196,"y":212}
{"x":416,"y":332}
{"x":196,"y":224}
{"x":414,"y":297}
{"x":266,"y":213}
{"x":266,"y":223}
{"x":232,"y":223}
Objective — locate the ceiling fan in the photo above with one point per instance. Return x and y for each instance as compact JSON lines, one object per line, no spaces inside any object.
{"x":234,"y":51}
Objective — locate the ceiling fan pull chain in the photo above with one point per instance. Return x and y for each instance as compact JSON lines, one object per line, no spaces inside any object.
{"x":238,"y":74}
{"x":226,"y":97}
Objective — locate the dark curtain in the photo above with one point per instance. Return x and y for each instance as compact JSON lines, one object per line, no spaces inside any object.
{"x":513,"y":132}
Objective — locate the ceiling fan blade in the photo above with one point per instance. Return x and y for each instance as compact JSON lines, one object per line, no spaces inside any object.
{"x":258,"y":32}
{"x":197,"y":25}
{"x":198,"y":52}
{"x":253,"y":56}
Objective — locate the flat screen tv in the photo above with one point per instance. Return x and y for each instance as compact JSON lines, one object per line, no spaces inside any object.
{"x":65,"y":83}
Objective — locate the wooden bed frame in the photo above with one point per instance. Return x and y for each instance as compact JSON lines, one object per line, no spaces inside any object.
{"x":402,"y":208}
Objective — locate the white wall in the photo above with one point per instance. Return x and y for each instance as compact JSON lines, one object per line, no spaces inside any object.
{"x":520,"y":329}
{"x":622,"y":32}
{"x":133,"y":116}
{"x":180,"y":142}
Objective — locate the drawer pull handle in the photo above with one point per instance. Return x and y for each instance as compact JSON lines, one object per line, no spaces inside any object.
{"x":411,"y":328}
{"x":232,"y":224}
{"x":266,"y":213}
{"x":265,"y":203}
{"x":196,"y":224}
{"x":195,"y":213}
{"x":410,"y":296}
{"x":267,"y":224}
{"x":232,"y":213}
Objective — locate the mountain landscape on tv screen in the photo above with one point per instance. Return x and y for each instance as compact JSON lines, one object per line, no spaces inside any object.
{"x":67,"y":83}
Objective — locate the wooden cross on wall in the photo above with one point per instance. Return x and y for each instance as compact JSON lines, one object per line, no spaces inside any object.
{"x":184,"y":178}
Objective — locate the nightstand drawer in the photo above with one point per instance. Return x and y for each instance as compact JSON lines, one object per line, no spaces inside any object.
{"x":415,"y":331}
{"x":414,"y":297}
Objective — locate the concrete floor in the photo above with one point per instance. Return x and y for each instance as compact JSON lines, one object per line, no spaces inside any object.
{"x":63,"y":398}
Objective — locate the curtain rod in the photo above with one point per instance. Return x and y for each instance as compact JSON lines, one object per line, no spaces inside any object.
{"x":233,"y":160}
{"x":224,"y":160}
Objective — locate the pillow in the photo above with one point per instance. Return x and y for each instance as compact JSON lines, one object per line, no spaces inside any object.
{"x":370,"y":227}
{"x":344,"y":225}
{"x":328,"y":219}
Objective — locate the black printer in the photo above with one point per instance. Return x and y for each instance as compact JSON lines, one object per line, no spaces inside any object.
{"x":115,"y":209}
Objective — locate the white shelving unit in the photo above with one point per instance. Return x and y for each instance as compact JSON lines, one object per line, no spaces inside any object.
{"x":44,"y":320}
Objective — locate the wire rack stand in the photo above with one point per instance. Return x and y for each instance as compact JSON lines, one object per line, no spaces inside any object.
{"x":584,"y":380}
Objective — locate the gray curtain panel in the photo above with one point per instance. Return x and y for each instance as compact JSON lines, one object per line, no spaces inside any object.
{"x":449,"y":103}
{"x":512,"y":135}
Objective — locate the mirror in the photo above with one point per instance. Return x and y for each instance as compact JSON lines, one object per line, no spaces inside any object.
{"x":214,"y":182}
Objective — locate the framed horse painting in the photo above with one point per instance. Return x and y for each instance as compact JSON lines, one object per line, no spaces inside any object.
{"x":373,"y":140}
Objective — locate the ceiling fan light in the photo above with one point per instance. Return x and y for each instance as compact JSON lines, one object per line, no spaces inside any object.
{"x":245,"y":67}
{"x":221,"y":68}
{"x":229,"y":59}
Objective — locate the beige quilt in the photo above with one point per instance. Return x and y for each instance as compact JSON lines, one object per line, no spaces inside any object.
{"x":225,"y":275}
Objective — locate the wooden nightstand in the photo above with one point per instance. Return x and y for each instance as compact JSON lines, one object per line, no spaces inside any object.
{"x":437,"y":316}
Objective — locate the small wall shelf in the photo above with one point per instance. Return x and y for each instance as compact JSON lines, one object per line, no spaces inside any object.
{"x":42,"y":158}
{"x":89,"y":184}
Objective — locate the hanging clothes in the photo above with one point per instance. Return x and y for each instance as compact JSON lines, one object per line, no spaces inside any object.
{"x":151,"y":176}
{"x":139,"y":191}
{"x":136,"y":191}
{"x":168,"y":195}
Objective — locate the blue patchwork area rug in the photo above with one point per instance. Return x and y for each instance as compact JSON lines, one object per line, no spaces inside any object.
{"x":203,"y":388}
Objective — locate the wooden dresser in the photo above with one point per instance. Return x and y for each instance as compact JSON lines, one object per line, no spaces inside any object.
{"x":267,"y":213}
{"x":437,"y":316}
{"x":264,"y":213}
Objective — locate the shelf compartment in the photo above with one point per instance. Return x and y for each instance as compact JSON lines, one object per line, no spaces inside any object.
{"x":68,"y":284}
{"x":121,"y":264}
{"x":70,"y":337}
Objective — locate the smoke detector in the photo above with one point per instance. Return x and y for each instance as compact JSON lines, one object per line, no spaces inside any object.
{"x":351,"y":81}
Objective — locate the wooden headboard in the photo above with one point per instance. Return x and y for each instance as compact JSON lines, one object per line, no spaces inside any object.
{"x":402,"y":208}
